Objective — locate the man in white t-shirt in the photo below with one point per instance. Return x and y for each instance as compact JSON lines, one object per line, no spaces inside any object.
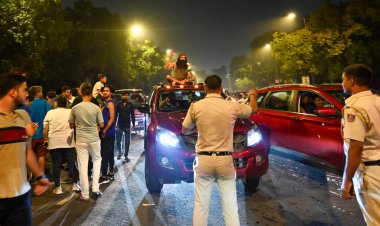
{"x":96,"y":91}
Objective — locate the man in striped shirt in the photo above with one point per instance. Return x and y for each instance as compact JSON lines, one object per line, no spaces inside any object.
{"x":16,"y":154}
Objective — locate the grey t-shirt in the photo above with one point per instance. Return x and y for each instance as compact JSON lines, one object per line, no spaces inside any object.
{"x":86,"y":117}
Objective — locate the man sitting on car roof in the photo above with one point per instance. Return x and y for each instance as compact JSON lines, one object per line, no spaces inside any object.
{"x":181,"y":69}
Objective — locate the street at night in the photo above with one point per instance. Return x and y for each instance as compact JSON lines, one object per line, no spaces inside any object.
{"x":291,"y":193}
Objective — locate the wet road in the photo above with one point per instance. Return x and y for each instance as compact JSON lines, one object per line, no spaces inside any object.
{"x":291,"y":193}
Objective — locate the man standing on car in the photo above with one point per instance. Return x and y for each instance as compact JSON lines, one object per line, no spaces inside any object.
{"x":214,"y":119}
{"x":361,"y":132}
{"x":124,"y":114}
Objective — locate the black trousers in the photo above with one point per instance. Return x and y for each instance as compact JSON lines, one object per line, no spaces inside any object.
{"x":16,"y":211}
{"x":107,"y":152}
{"x":69,"y":155}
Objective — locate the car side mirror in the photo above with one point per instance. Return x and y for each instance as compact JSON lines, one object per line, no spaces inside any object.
{"x":325,"y":112}
{"x":144,"y":108}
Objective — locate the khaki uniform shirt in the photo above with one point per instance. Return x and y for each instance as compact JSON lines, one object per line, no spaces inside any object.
{"x":215,"y":119}
{"x":364,"y":104}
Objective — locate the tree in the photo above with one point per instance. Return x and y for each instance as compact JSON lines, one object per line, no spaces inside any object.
{"x":30,"y":29}
{"x":143,"y":63}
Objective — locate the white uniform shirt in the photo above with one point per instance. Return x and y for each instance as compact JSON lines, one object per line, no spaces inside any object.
{"x":60,"y":135}
{"x":215,"y":119}
{"x":355,"y":129}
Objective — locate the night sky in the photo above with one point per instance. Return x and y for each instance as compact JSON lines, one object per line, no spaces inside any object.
{"x":211,"y":32}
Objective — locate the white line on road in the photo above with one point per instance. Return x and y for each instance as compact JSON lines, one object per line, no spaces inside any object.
{"x":148,"y":197}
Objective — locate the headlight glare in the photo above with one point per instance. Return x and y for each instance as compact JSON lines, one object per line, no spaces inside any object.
{"x":167,"y":138}
{"x":253,"y":136}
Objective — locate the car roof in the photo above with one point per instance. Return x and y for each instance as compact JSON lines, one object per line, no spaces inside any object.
{"x":324,"y":86}
{"x":129,"y":90}
{"x":168,"y":86}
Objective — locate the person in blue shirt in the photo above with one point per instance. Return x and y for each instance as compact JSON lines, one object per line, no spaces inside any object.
{"x":39,"y":108}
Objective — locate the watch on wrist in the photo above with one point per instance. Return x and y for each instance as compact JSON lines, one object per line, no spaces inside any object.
{"x":40,"y":177}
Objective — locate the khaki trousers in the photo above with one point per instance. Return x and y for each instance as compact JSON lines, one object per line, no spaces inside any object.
{"x":208,"y":169}
{"x":367,"y":189}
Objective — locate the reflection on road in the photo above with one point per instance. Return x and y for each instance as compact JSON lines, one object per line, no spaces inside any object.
{"x":291,"y":193}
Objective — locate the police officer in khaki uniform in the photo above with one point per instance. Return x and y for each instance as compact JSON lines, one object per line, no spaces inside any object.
{"x":361,"y":133}
{"x":215,"y":118}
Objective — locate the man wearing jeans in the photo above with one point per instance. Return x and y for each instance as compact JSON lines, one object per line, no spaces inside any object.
{"x":85,"y":118}
{"x":214,"y":119}
{"x":124,"y":114}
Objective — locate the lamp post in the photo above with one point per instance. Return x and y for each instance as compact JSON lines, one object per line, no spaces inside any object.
{"x":228,"y":76}
{"x":268,"y":47}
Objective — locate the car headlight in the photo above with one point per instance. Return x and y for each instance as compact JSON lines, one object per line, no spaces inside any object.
{"x":167,"y":138}
{"x":253,"y":136}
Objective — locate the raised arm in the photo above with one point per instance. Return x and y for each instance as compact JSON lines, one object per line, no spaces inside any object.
{"x":169,"y":63}
{"x":253,"y":96}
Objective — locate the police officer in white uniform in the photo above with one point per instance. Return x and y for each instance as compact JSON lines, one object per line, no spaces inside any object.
{"x":361,"y":133}
{"x":214,"y":119}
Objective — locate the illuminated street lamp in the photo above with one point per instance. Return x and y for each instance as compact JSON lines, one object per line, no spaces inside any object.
{"x":136,"y":30}
{"x":268,"y":47}
{"x":291,"y":16}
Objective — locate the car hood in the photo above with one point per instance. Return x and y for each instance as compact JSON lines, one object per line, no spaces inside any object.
{"x":173,"y":122}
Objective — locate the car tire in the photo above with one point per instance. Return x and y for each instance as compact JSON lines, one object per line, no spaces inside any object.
{"x":252,"y":183}
{"x":152,"y":181}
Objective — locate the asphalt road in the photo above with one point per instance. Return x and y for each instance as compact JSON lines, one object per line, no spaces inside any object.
{"x":291,"y":193}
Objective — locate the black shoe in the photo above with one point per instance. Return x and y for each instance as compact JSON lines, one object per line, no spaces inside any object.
{"x":104,"y":180}
{"x":96,"y":195}
{"x":119,"y":156}
{"x":126,"y":159}
{"x":111,"y":176}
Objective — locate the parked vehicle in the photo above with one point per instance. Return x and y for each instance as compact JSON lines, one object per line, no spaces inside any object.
{"x":137,"y":97}
{"x":169,"y":155}
{"x":305,"y":119}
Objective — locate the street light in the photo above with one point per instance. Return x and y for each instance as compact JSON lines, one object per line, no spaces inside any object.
{"x":136,"y":30}
{"x":268,"y":47}
{"x":292,"y":16}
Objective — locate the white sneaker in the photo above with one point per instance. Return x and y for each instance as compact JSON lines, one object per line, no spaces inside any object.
{"x":76,"y":187}
{"x":57,"y":190}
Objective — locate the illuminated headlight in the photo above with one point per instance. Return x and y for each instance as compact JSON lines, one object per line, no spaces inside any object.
{"x":253,"y":136}
{"x":167,"y":138}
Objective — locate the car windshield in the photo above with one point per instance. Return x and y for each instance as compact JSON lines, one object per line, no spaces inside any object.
{"x":178,"y":100}
{"x":338,"y":95}
{"x":137,"y":97}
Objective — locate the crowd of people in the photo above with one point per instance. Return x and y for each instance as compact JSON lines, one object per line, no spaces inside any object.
{"x":81,"y":132}
{"x":78,"y":133}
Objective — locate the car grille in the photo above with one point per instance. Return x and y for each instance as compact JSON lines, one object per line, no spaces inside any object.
{"x":190,"y":141}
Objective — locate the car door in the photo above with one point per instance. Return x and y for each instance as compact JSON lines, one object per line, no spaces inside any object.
{"x":273,"y":117}
{"x":316,"y":135}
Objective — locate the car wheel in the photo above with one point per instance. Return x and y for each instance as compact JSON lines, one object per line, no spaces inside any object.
{"x":152,"y":181}
{"x":252,"y":183}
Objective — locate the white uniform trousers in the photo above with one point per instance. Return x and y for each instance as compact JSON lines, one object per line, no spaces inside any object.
{"x":367,"y":189}
{"x":207,"y":169}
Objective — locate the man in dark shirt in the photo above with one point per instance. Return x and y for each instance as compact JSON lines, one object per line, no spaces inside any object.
{"x":124,"y":114}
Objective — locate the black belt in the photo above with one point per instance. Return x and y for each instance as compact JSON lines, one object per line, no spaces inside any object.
{"x":372,"y":163}
{"x":217,"y":153}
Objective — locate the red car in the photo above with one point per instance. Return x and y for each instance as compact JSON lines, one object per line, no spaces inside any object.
{"x":169,"y":155}
{"x":305,"y":119}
